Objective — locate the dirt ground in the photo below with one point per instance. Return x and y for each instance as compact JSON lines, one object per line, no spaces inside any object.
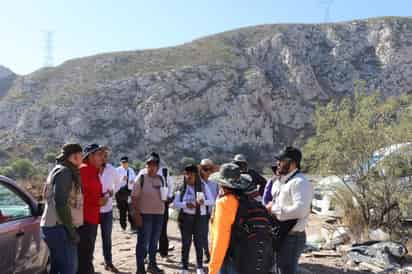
{"x":124,"y":254}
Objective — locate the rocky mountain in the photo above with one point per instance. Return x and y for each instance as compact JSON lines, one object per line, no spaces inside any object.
{"x":251,"y":90}
{"x":6,"y":79}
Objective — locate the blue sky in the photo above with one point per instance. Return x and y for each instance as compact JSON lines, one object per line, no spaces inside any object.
{"x":89,"y":27}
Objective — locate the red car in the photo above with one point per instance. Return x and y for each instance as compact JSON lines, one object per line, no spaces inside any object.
{"x":22,"y":249}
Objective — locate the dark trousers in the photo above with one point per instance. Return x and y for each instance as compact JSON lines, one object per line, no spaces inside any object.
{"x":87,"y":233}
{"x":191,"y":228}
{"x":205,"y":234}
{"x":125,"y":214}
{"x":288,"y":256}
{"x":148,"y":239}
{"x":106,"y":225}
{"x":164,"y":241}
{"x":63,"y":252}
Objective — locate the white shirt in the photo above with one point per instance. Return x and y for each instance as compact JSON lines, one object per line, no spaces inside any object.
{"x":169,"y":183}
{"x":123,"y":173}
{"x":109,"y":180}
{"x":292,"y":199}
{"x":189,"y":197}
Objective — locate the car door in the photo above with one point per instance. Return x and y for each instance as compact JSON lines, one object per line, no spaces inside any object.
{"x":22,"y":250}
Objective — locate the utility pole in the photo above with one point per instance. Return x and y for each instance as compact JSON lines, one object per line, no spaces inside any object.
{"x":48,"y":49}
{"x":327,"y":4}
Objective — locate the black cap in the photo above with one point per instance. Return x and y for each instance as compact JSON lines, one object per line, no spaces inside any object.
{"x":290,"y":153}
{"x":92,"y":148}
{"x":67,"y":150}
{"x":124,"y":159}
{"x":191,"y":168}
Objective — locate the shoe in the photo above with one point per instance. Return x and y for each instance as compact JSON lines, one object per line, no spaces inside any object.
{"x":154,"y":269}
{"x":200,"y":271}
{"x":141,"y":272}
{"x":111,"y":268}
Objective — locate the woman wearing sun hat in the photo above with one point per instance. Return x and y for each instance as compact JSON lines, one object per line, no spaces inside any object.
{"x":232,"y":182}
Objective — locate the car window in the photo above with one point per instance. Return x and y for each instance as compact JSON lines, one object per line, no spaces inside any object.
{"x":12,"y":206}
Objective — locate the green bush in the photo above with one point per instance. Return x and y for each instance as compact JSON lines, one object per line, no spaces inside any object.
{"x":19,"y":169}
{"x":348,"y":133}
{"x":50,"y":157}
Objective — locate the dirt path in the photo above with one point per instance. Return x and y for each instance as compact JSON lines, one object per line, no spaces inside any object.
{"x":124,"y":254}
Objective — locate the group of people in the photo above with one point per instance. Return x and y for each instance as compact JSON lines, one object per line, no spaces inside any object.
{"x":80,"y":190}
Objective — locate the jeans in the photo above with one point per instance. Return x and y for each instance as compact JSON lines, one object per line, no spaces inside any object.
{"x":106,"y":225}
{"x":164,"y":241}
{"x":191,"y":229}
{"x":228,"y":268}
{"x":205,"y":234}
{"x":147,"y":239}
{"x":288,"y":256}
{"x":87,"y":233}
{"x":63,"y":252}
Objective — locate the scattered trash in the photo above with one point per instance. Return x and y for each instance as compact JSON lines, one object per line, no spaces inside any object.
{"x":334,"y":236}
{"x":379,"y":235}
{"x":378,"y":255}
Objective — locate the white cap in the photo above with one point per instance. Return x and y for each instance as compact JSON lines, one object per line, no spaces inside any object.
{"x":207,"y":162}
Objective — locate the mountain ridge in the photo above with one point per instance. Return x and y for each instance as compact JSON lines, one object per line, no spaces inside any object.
{"x":253,"y":89}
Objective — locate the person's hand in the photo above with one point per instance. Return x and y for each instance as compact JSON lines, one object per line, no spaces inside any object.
{"x":190,"y":205}
{"x":201,"y":202}
{"x":138,"y":220}
{"x":269,"y":206}
{"x":103,"y":201}
{"x":110,"y":192}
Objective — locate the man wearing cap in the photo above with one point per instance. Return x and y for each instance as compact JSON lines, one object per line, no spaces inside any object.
{"x":258,"y":181}
{"x":93,"y":200}
{"x":163,"y":171}
{"x":123,"y":190}
{"x":207,"y":167}
{"x":148,"y":214}
{"x":292,"y":197}
{"x":109,"y":179}
{"x":63,"y":212}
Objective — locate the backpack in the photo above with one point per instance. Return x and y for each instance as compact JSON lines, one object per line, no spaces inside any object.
{"x":251,"y":243}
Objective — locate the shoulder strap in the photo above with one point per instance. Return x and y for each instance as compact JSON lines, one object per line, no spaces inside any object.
{"x":141,"y":180}
{"x":182,"y":192}
{"x":292,"y":176}
{"x":162,"y":180}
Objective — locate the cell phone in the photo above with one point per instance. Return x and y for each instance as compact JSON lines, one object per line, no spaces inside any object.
{"x":274,"y":168}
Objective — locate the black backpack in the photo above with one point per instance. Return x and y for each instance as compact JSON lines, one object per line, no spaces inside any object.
{"x":251,"y":244}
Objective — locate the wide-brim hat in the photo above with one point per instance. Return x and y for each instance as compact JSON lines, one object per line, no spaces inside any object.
{"x":92,"y":148}
{"x":67,"y":150}
{"x":229,"y":175}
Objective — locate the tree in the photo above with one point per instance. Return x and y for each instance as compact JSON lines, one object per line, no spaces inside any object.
{"x":19,"y":169}
{"x":348,"y":135}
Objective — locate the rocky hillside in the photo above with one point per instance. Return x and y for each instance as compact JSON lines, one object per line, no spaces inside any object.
{"x":251,"y":90}
{"x":6,"y":79}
